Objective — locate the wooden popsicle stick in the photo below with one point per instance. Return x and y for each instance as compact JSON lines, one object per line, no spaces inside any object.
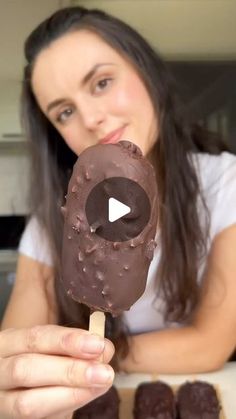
{"x":97,"y":323}
{"x":97,"y":326}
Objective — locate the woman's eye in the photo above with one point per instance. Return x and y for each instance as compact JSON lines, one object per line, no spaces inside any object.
{"x":63,"y":116}
{"x":102,"y":84}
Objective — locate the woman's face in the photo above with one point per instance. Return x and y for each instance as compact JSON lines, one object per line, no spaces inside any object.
{"x":91,"y":94}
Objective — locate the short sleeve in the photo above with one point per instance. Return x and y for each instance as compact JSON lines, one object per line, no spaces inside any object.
{"x":34,"y":243}
{"x":226,"y":203}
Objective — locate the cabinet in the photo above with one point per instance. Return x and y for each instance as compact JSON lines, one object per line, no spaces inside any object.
{"x":209,"y":91}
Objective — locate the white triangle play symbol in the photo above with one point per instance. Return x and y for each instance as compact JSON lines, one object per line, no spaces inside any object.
{"x":116,"y":210}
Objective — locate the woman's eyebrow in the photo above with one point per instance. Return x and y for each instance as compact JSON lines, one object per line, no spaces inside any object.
{"x":54,"y":104}
{"x":93,"y":70}
{"x":85,"y":80}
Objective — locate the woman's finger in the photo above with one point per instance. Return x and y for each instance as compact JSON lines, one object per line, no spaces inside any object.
{"x":53,"y":339}
{"x":45,"y":401}
{"x":36,"y":370}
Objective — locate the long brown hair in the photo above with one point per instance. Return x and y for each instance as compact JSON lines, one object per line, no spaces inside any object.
{"x":181,"y":234}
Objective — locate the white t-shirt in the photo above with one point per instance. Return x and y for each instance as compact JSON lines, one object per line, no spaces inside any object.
{"x":34,"y":243}
{"x":217,"y":178}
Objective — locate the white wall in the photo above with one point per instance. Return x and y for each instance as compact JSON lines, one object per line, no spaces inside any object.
{"x":191,"y":29}
{"x":14,"y":169}
{"x":9,"y":108}
{"x":17,"y":19}
{"x":14,"y":162}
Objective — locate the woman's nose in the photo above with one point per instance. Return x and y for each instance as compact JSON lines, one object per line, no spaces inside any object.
{"x":92,"y":115}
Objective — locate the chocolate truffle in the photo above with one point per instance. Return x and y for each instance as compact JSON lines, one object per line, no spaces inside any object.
{"x":104,"y":264}
{"x":104,"y":407}
{"x":198,"y":400}
{"x":154,"y":400}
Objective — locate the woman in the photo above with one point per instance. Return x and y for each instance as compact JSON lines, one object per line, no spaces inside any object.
{"x":88,"y":76}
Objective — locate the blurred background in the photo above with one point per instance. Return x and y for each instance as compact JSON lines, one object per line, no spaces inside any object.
{"x":196,"y":37}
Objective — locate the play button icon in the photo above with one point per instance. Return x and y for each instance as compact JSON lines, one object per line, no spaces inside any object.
{"x":117,"y":209}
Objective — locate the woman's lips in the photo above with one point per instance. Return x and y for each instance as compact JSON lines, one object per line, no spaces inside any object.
{"x":113,"y":137}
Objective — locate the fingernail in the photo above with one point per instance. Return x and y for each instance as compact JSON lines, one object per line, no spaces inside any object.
{"x":99,"y":374}
{"x":92,"y":344}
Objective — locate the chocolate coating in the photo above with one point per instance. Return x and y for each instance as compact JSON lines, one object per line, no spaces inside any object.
{"x":107,"y":275}
{"x":198,"y":400}
{"x":104,"y":407}
{"x":154,"y":400}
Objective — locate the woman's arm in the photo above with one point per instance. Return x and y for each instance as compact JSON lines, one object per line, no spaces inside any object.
{"x":32,"y":299}
{"x":209,"y":340}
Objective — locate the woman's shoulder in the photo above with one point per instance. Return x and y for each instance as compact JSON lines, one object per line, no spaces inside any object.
{"x":215,"y":172}
{"x":35,"y":243}
{"x":214,"y":165}
{"x":217,"y":180}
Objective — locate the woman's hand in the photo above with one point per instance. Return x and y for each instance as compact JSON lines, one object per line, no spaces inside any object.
{"x":51,"y":370}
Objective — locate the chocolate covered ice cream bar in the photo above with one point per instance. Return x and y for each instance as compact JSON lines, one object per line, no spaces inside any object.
{"x":154,"y":400}
{"x":104,"y":407}
{"x":105,"y":261}
{"x":198,"y":400}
